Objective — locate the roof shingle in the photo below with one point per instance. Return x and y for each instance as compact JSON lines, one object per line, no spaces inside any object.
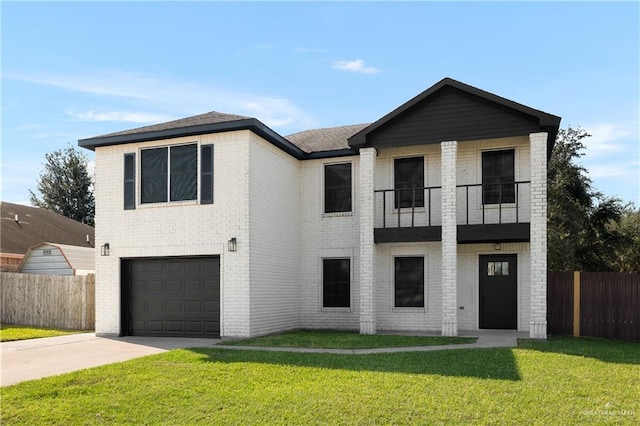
{"x":211,"y":117}
{"x":37,"y":225}
{"x":327,"y":139}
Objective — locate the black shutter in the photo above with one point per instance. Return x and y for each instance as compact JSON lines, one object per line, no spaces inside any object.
{"x":206,"y":174}
{"x":129,"y":181}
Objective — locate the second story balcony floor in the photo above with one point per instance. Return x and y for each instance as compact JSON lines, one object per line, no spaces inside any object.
{"x":485,"y":213}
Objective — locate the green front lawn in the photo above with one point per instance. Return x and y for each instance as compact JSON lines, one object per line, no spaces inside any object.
{"x":346,"y":340}
{"x":562,"y":381}
{"x":9,"y":333}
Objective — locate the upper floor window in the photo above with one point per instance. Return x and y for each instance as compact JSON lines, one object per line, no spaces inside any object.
{"x":169,"y":174}
{"x":337,"y":188}
{"x":498,"y":177}
{"x":408,"y":174}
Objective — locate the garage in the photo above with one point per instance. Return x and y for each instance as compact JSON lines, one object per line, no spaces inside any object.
{"x":178,"y":297}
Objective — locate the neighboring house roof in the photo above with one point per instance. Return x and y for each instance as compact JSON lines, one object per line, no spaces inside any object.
{"x":74,"y":258}
{"x":448,"y":110}
{"x":327,"y":139}
{"x":451,"y":110}
{"x":36,"y":225}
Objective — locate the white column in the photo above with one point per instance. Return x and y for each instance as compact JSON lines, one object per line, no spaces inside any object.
{"x":367,"y":249}
{"x":449,"y":239}
{"x":538,"y":244}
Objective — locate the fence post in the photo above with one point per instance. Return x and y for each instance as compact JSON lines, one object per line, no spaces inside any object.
{"x":576,"y":303}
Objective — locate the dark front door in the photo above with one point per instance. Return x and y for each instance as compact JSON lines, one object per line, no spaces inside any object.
{"x":171,"y":297}
{"x":498,"y":291}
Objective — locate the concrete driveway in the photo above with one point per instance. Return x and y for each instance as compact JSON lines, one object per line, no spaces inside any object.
{"x":32,"y":359}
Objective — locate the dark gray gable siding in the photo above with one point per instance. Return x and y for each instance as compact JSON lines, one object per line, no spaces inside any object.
{"x":451,"y":114}
{"x":451,"y":110}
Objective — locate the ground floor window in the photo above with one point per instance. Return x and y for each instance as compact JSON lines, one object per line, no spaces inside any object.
{"x":409,"y":282}
{"x":336,"y":283}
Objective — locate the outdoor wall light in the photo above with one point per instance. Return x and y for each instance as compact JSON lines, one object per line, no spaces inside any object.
{"x":232,"y":244}
{"x":498,"y":246}
{"x":104,"y":249}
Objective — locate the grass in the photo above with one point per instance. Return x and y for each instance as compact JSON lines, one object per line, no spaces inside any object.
{"x":10,"y":333}
{"x":346,"y":340}
{"x":561,"y":381}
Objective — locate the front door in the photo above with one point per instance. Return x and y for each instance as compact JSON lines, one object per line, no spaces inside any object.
{"x":498,"y":291}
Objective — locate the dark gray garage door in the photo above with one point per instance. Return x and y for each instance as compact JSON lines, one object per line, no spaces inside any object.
{"x":171,"y":296}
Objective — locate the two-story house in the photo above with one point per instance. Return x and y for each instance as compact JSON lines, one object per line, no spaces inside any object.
{"x":432,"y":218}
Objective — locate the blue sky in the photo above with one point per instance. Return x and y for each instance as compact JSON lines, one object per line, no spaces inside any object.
{"x":76,"y":70}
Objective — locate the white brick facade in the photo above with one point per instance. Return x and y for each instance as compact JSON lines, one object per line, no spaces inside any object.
{"x":367,"y":252}
{"x":271,"y":200}
{"x":538,"y":313}
{"x":449,"y":239}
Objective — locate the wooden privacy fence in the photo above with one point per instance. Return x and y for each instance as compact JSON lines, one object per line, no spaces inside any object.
{"x":596,"y":304}
{"x":66,"y":302}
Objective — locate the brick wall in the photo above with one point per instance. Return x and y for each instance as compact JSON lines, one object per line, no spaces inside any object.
{"x":176,"y":229}
{"x":274,"y":238}
{"x":538,"y":313}
{"x":327,"y":236}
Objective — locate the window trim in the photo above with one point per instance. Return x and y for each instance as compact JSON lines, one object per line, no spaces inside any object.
{"x":396,"y":205}
{"x":336,"y":308}
{"x":396,"y":308}
{"x":195,"y":201}
{"x":481,"y":177}
{"x":324,"y":190}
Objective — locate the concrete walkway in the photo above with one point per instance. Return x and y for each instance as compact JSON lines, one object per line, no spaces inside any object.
{"x":36,"y":358}
{"x":486,"y":339}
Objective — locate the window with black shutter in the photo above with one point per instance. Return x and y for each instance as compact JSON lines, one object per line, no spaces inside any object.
{"x":169,"y":174}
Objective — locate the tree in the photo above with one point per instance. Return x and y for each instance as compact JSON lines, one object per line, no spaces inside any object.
{"x":66,"y":186}
{"x":628,"y":253}
{"x":584,"y":231}
{"x":569,"y":200}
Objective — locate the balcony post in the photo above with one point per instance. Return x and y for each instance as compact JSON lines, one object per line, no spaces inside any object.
{"x":367,"y":248}
{"x":538,"y":241}
{"x":449,"y":239}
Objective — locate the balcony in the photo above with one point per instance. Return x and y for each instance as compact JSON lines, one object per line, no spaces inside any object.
{"x":485,"y":213}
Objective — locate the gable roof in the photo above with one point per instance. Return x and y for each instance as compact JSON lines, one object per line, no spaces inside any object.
{"x":451,"y":110}
{"x":76,"y":257}
{"x":36,"y":225}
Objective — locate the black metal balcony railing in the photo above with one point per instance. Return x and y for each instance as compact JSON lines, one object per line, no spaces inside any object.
{"x":497,"y":194}
{"x":402,"y":203}
{"x":478,"y":204}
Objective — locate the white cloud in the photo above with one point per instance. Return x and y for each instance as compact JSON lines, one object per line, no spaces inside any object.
{"x":170,"y":97}
{"x":355,"y":66}
{"x":623,"y":169}
{"x":603,"y":138}
{"x":116,"y":84}
{"x":121,"y":116}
